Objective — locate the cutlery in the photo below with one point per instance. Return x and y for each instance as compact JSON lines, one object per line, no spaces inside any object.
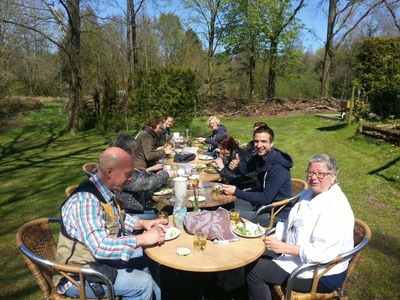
{"x":244,"y":224}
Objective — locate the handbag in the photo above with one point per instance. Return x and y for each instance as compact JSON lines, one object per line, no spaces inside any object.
{"x":184,"y":157}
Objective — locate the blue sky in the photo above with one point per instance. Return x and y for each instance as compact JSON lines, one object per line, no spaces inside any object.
{"x":308,"y":15}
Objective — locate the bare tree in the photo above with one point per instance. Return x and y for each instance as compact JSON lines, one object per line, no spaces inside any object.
{"x":207,"y":14}
{"x":342,"y":18}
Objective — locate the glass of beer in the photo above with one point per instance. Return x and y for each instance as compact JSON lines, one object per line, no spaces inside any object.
{"x":200,"y":241}
{"x":234,"y":216}
{"x":216,"y":190}
{"x":163,"y":215}
{"x":194,"y":181}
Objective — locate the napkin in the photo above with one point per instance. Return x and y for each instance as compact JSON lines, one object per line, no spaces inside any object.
{"x":186,"y":157}
{"x":214,"y":224}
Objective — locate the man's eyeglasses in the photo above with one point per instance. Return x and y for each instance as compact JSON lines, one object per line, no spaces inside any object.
{"x":320,"y":175}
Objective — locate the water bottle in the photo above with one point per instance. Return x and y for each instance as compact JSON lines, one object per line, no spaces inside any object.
{"x":179,"y":212}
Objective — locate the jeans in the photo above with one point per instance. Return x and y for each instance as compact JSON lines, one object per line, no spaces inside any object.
{"x":139,"y":278}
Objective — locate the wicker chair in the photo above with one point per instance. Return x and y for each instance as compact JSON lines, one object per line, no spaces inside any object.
{"x":70,"y":189}
{"x":362,"y":235}
{"x":298,"y":186}
{"x":35,"y":240}
{"x":88,"y":168}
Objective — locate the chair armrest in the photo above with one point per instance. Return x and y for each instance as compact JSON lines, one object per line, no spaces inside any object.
{"x":68,"y":269}
{"x":270,"y":231}
{"x":310,"y":266}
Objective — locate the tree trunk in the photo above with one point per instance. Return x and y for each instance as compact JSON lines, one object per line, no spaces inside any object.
{"x":75,"y":81}
{"x":252,"y":68}
{"x":272,"y":69}
{"x":131,"y":40}
{"x":326,"y":64}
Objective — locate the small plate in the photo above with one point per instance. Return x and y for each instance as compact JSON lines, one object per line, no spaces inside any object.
{"x":183,"y":251}
{"x":201,"y":198}
{"x":172,"y":233}
{"x":205,"y":157}
{"x":162,"y":193}
{"x":199,"y":166}
{"x":251,"y":228}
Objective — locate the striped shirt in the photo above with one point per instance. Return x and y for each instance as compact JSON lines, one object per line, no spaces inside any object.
{"x":84,"y":220}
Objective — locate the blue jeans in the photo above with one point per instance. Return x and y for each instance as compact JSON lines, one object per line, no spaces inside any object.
{"x":137,"y":279}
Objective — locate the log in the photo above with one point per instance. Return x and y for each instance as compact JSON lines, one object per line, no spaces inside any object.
{"x":392,"y":132}
{"x":379,"y":135}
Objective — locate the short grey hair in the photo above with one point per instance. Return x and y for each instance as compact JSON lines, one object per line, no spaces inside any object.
{"x":330,"y":162}
{"x":125,"y":142}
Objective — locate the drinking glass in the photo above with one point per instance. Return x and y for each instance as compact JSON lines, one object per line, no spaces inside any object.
{"x":163,"y":215}
{"x":216,"y":190}
{"x":194,"y":182}
{"x":200,"y":241}
{"x":234,"y":216}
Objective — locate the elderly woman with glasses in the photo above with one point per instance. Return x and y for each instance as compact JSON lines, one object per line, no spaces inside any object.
{"x":319,"y":228}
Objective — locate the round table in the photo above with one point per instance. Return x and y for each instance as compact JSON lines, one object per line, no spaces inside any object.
{"x":216,"y":257}
{"x":210,"y":201}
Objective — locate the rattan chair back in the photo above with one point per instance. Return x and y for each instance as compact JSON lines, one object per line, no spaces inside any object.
{"x":362,"y":235}
{"x":70,"y":189}
{"x":274,"y":208}
{"x":35,"y":240}
{"x":88,"y":168}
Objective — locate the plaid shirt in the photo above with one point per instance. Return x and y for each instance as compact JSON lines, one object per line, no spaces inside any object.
{"x":84,"y":220}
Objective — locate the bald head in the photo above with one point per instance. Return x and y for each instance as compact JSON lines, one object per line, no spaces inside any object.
{"x":115,"y":168}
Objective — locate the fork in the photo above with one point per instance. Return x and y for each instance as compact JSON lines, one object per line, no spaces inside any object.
{"x":244,"y":224}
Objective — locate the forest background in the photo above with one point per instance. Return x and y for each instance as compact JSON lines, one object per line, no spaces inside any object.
{"x":254,"y":51}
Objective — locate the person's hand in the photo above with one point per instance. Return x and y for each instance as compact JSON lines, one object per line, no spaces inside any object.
{"x":228,"y":189}
{"x":154,"y":168}
{"x":172,"y":173}
{"x":149,"y":224}
{"x":167,"y":146}
{"x":155,"y":235}
{"x":273,"y":244}
{"x":234,"y":162}
{"x":201,"y":139}
{"x":219,"y":163}
{"x":168,"y":151}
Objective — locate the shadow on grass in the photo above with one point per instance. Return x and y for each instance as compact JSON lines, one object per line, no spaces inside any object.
{"x":384,"y":167}
{"x":332,"y":128}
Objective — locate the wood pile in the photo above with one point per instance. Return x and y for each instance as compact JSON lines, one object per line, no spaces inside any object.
{"x":390,"y":133}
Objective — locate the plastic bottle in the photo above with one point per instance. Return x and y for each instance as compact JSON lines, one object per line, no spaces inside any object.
{"x":179,"y":212}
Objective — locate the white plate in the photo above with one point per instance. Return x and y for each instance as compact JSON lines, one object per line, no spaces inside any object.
{"x":162,"y":193}
{"x":250,"y":227}
{"x":201,"y":198}
{"x":205,"y":157}
{"x":171,"y":233}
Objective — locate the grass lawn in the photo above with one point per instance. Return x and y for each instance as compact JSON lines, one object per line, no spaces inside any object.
{"x":38,"y":161}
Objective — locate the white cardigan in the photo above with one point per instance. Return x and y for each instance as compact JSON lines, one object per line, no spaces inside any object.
{"x":322,"y":227}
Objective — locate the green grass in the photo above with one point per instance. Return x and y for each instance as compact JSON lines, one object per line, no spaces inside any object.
{"x":38,"y":161}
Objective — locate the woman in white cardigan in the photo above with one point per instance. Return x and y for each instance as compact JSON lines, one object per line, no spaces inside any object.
{"x":319,"y":227}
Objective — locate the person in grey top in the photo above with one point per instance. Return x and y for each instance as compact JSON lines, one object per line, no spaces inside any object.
{"x":143,"y":181}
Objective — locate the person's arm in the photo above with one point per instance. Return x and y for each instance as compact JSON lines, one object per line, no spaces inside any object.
{"x":143,"y":181}
{"x":277,"y":176}
{"x":83,"y":217}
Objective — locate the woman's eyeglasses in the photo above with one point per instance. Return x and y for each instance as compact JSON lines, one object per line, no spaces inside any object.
{"x":320,"y":175}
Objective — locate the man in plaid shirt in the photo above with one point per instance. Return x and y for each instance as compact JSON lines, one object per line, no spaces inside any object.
{"x":95,"y":229}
